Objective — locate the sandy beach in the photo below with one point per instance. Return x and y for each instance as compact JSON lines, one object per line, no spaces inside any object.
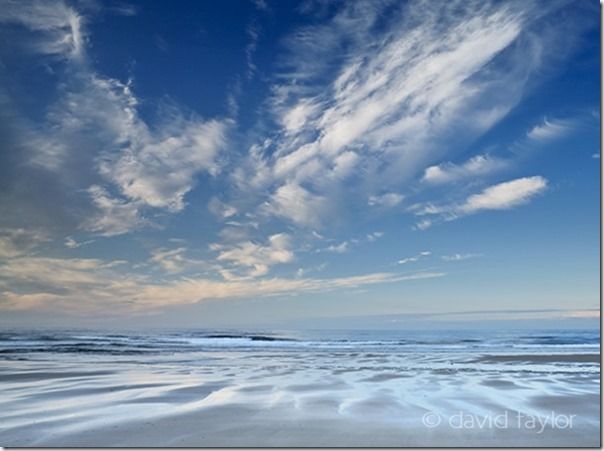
{"x":273,"y":395}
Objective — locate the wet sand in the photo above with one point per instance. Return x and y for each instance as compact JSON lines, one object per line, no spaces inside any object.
{"x":282,"y":399}
{"x":244,"y":426}
{"x":541,"y":358}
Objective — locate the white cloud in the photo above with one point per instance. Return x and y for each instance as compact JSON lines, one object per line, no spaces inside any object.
{"x":296,"y":203}
{"x":159,"y":168}
{"x":584,"y":314}
{"x":261,"y":5}
{"x":171,"y":260}
{"x":374,"y":236}
{"x":550,"y":129}
{"x":190,"y":291}
{"x":19,"y":241}
{"x":298,"y":116}
{"x":423,"y":224}
{"x":479,"y":165}
{"x":71,"y":285}
{"x":55,"y":271}
{"x":174,"y":261}
{"x":253,"y":33}
{"x":301,"y":272}
{"x":504,"y":195}
{"x":73,"y":244}
{"x":317,"y":235}
{"x":114,"y":216}
{"x":459,"y":257}
{"x":58,"y":26}
{"x":220,"y":209}
{"x":341,"y":248}
{"x":415,"y":258}
{"x":124,"y":9}
{"x":92,"y":286}
{"x":385,"y":200}
{"x":256,"y":258}
{"x":345,"y":246}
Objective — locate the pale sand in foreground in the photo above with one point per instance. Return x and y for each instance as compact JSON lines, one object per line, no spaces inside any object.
{"x":273,"y":412}
{"x":280,"y":427}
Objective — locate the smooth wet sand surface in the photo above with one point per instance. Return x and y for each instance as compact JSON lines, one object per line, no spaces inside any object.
{"x":253,"y":398}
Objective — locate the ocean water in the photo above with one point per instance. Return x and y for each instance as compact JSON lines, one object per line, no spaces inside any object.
{"x":31,"y":344}
{"x":62,"y":388}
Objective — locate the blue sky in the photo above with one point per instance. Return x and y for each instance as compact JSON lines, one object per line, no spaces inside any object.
{"x":247,"y":163}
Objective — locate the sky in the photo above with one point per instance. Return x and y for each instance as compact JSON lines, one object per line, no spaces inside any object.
{"x":247,"y":163}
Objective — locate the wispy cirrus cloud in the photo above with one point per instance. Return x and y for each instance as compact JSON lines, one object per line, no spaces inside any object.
{"x":482,"y":165}
{"x":357,"y":125}
{"x":261,"y":5}
{"x":415,"y":258}
{"x":502,"y":196}
{"x":17,"y":242}
{"x":124,"y":9}
{"x":477,"y":166}
{"x":173,"y":261}
{"x":113,"y":216}
{"x":254,"y":258}
{"x":385,"y":200}
{"x":71,"y":243}
{"x":163,"y":168}
{"x":459,"y":257}
{"x":58,"y":27}
{"x":298,"y":204}
{"x":220,"y":209}
{"x":341,"y":248}
{"x":253,"y":34}
{"x":373,"y":236}
{"x":550,"y":129}
{"x":94,"y":286}
{"x":93,"y":133}
{"x":191,"y":290}
{"x":346,"y":246}
{"x":149,"y":166}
